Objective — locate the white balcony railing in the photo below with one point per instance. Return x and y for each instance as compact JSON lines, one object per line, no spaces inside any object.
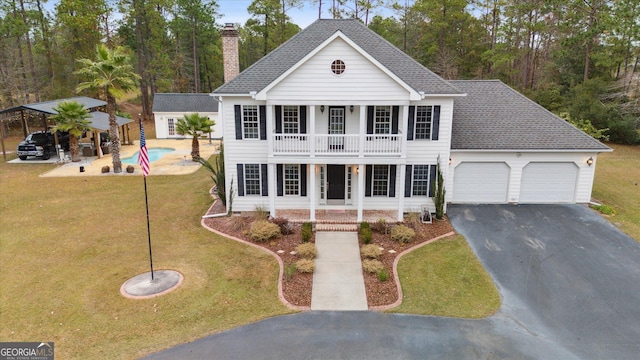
{"x":343,"y":144}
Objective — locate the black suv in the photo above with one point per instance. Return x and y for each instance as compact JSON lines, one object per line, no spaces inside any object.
{"x":41,"y":144}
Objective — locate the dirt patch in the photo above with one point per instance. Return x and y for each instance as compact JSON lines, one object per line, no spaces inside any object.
{"x":297,"y":288}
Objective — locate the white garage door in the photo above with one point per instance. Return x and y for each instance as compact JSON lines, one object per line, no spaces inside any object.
{"x":481,"y":182}
{"x":545,"y":183}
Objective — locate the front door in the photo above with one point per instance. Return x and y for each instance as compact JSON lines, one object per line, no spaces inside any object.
{"x":336,"y":127}
{"x":335,"y":184}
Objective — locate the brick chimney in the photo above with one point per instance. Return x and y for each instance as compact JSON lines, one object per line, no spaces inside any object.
{"x":230,"y":58}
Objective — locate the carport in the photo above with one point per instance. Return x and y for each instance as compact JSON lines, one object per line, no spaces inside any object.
{"x":99,"y":121}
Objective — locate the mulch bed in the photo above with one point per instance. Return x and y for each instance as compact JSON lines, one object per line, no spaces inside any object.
{"x":297,"y":289}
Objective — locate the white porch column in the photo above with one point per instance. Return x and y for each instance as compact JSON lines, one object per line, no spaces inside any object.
{"x":405,"y":125}
{"x":363,"y":131}
{"x":271,"y":178}
{"x":312,"y":131}
{"x":270,"y":130}
{"x":361,"y":175}
{"x":312,"y":192}
{"x":400,"y":194}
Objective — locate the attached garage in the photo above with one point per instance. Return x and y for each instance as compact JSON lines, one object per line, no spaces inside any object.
{"x":544,"y":182}
{"x":481,"y":182}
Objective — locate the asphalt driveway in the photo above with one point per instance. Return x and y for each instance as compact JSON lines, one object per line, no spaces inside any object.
{"x":570,"y":286}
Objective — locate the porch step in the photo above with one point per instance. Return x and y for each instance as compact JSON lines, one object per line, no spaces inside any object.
{"x":336,"y":227}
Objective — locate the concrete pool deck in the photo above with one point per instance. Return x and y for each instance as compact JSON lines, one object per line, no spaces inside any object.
{"x":177,"y":162}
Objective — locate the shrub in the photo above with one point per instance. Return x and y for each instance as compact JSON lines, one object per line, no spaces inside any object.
{"x":305,"y":266}
{"x":289,"y":271}
{"x":370,"y":251}
{"x":283,"y":223}
{"x":262,"y":230}
{"x":383,"y":275}
{"x":306,"y":232}
{"x":365,"y":232}
{"x":372,"y":266}
{"x":380,"y":226}
{"x":307,"y":250}
{"x":402,"y":234}
{"x":604,"y":209}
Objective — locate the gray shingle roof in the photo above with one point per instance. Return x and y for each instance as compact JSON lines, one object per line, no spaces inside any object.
{"x":269,"y":68}
{"x":493,"y":116}
{"x":184,"y":103}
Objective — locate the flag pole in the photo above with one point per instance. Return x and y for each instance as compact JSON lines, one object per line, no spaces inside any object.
{"x":143,"y":161}
{"x":146,"y":200}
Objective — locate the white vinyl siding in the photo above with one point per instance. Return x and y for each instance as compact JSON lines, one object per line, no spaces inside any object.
{"x":548,"y":183}
{"x":481,"y":182}
{"x":361,"y":81}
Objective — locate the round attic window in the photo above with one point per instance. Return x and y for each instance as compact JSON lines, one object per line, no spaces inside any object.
{"x":337,"y":67}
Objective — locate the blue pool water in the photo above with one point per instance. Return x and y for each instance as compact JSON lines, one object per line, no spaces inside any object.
{"x":154,"y":154}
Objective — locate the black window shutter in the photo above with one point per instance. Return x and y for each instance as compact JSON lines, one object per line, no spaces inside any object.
{"x":238,"y":114}
{"x":279,"y":181}
{"x":263,"y":122}
{"x":303,"y":180}
{"x":395,"y":111}
{"x":412,"y":122}
{"x":368,"y":178}
{"x":436,"y":123}
{"x":407,"y":181}
{"x":303,"y":119}
{"x":240,"y":180}
{"x":278,"y":119}
{"x":265,"y":180}
{"x":392,"y":181}
{"x":433,"y":171}
{"x":370,"y":115}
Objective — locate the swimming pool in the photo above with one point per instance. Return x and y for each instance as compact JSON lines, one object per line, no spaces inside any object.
{"x":154,"y":155}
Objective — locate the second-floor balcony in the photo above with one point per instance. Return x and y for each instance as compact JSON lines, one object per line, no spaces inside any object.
{"x":337,"y":144}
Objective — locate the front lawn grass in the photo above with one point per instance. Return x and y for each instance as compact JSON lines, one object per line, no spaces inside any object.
{"x":68,"y":244}
{"x":617,"y":184}
{"x":445,"y":278}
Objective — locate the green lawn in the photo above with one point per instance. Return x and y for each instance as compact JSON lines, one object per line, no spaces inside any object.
{"x":617,"y":184}
{"x":68,"y":244}
{"x":445,"y":278}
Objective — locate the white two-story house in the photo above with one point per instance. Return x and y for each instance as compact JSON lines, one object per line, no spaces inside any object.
{"x":338,"y":118}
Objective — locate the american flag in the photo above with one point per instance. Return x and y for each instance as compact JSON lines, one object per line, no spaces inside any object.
{"x":143,"y":155}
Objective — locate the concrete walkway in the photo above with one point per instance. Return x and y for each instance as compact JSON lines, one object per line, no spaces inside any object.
{"x":338,"y":283}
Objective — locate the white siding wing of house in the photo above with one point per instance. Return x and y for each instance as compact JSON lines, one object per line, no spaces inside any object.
{"x":361,"y":81}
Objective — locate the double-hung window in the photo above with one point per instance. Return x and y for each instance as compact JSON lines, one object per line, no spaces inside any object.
{"x":291,"y":179}
{"x":252,"y":179}
{"x":380,"y":180}
{"x":420,"y":180}
{"x":291,"y":119}
{"x":423,"y":122}
{"x":250,"y":122}
{"x":382,"y":120}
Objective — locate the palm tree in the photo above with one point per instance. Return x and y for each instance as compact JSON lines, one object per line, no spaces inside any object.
{"x":112,"y":74}
{"x":194,"y":125}
{"x":72,"y":117}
